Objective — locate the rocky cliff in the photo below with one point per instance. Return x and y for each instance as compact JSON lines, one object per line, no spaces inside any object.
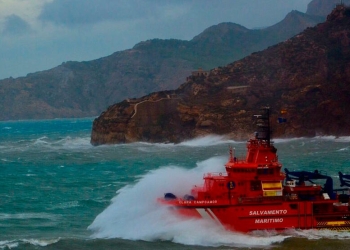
{"x":307,"y":76}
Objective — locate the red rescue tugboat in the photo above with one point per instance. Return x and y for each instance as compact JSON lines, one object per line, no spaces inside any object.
{"x":254,"y":194}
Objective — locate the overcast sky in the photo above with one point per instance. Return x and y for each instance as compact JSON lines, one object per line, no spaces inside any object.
{"x":41,"y":34}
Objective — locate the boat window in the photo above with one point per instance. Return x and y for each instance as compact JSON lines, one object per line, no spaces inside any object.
{"x":265,"y":171}
{"x":255,"y":185}
{"x":244,"y":170}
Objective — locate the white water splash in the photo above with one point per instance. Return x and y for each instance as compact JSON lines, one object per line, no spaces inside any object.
{"x":67,"y":143}
{"x":205,"y":141}
{"x":8,"y":244}
{"x":286,"y":140}
{"x":135,"y":214}
{"x":314,"y":234}
{"x":64,"y":205}
{"x":334,"y":138}
{"x":27,"y":216}
{"x":11,"y":244}
{"x":41,"y":242}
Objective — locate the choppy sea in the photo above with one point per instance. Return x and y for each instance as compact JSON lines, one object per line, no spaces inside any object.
{"x":57,"y":191}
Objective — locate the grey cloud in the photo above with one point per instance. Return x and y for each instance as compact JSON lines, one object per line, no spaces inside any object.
{"x":15,"y":25}
{"x":191,"y":12}
{"x":78,"y":12}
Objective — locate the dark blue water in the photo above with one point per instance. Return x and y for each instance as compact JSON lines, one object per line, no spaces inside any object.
{"x":59,"y":192}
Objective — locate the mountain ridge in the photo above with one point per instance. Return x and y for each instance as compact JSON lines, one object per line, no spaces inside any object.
{"x":81,"y":89}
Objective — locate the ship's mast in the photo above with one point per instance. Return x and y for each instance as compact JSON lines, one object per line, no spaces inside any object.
{"x":263,"y":124}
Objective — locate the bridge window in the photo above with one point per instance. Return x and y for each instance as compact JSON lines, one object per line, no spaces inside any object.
{"x":244,"y":170}
{"x":255,"y":185}
{"x":265,"y":171}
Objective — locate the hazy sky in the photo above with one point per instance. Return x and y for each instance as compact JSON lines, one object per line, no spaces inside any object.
{"x":41,"y":34}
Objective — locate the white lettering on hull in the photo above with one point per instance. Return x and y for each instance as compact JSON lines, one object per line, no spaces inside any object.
{"x":270,"y":220}
{"x":199,"y":202}
{"x":268,"y":212}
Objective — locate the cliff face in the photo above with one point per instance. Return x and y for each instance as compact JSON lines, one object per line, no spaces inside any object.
{"x":80,"y":89}
{"x":307,"y":76}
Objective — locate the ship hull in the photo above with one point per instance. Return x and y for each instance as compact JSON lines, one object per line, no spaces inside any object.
{"x":274,"y":216}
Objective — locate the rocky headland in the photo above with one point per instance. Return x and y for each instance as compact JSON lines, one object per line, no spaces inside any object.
{"x":307,"y":77}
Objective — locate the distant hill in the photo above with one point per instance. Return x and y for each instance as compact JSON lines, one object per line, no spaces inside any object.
{"x":80,"y":89}
{"x":307,"y":77}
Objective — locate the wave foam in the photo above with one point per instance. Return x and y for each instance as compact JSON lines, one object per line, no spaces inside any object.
{"x":334,"y":138}
{"x":27,"y":216}
{"x":205,"y":141}
{"x":71,"y":143}
{"x":314,"y":234}
{"x":41,"y":242}
{"x":65,"y":205}
{"x":10,"y":244}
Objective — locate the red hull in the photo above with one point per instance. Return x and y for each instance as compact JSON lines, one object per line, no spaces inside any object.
{"x":278,"y":215}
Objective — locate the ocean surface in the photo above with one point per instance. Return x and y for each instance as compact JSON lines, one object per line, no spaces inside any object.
{"x":57,"y":191}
